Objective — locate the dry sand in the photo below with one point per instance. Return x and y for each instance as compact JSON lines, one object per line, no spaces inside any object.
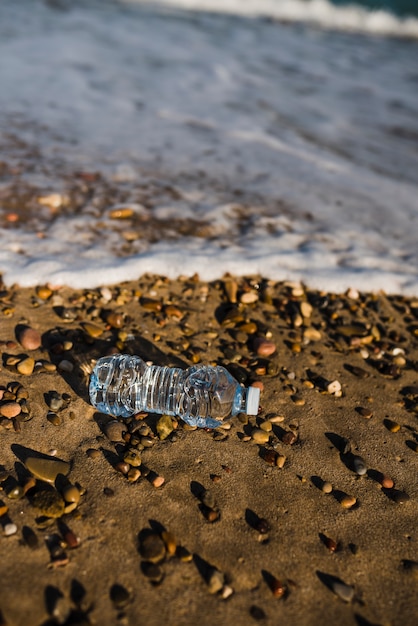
{"x":246,"y":541}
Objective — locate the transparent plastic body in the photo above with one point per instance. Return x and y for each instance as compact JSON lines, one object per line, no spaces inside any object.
{"x":203,"y":396}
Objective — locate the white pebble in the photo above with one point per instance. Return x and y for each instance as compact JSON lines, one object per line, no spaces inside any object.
{"x":10,"y":529}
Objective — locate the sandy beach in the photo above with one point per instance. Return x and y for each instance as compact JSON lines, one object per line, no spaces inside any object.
{"x":303,"y":515}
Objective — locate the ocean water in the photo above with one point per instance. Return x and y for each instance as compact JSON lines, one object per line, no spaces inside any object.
{"x":277,"y":137}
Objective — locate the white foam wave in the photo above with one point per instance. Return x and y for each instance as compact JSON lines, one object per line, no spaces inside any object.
{"x":323,"y":13}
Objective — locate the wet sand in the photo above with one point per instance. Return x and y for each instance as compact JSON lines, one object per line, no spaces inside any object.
{"x":303,"y":515}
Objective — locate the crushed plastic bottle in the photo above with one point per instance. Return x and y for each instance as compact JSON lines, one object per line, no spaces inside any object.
{"x":202,"y":395}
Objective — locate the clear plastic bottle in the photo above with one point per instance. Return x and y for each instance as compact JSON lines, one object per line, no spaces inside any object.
{"x":204,"y":396}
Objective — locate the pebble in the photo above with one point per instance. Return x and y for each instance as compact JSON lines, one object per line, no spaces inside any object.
{"x":334,"y":388}
{"x":347,"y":502}
{"x":260,"y":436}
{"x":170,"y":542}
{"x":312,"y":334}
{"x":10,"y":409}
{"x":331,"y":544}
{"x":153,"y":572}
{"x":326,"y":487}
{"x":359,"y":465}
{"x":134,"y":474}
{"x":49,"y":503}
{"x":26,"y":366}
{"x":249,"y":297}
{"x":267,"y":426}
{"x":152,"y":547}
{"x":44,"y":292}
{"x":55,"y":401}
{"x":215,"y":581}
{"x":9,"y":529}
{"x":264,"y":347}
{"x":343,"y":591}
{"x":47,"y":469}
{"x":289,"y":438}
{"x":164,"y":427}
{"x":386,"y":482}
{"x":119,"y":596}
{"x":364,"y":412}
{"x":133,"y":457}
{"x":93,"y":330}
{"x":114,"y":430}
{"x":93,"y":453}
{"x":115,"y":320}
{"x":66,"y":366}
{"x":398,"y":496}
{"x":392,"y":426}
{"x":158,"y":481}
{"x":280,"y":460}
{"x":29,"y":338}
{"x":71,"y":494}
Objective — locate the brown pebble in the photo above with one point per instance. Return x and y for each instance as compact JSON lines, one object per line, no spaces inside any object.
{"x":29,"y":338}
{"x":260,"y":436}
{"x":93,"y":330}
{"x":71,"y":494}
{"x":347,"y":502}
{"x":364,"y":412}
{"x":392,"y":426}
{"x":122,"y":467}
{"x":10,"y":409}
{"x":278,"y":588}
{"x":289,"y":438}
{"x":264,"y":347}
{"x":326,"y":487}
{"x":386,"y":482}
{"x":280,"y":460}
{"x":115,"y":320}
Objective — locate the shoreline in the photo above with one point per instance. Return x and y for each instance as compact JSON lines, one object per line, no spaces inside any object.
{"x":268,"y":519}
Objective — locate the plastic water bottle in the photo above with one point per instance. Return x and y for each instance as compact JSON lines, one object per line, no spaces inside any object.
{"x":204,"y":396}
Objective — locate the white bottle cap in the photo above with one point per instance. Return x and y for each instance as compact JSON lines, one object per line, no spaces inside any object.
{"x":253,"y":399}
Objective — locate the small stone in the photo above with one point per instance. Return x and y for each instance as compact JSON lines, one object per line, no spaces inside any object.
{"x":260,"y":436}
{"x":276,"y":419}
{"x":9,"y":529}
{"x":93,"y":330}
{"x":115,"y":320}
{"x":47,"y":468}
{"x":158,"y":481}
{"x":343,"y":591}
{"x":398,"y":496}
{"x":133,"y":457}
{"x":54,"y":419}
{"x":152,"y":547}
{"x":262,"y":526}
{"x":119,"y":596}
{"x":93,"y":453}
{"x":331,"y":544}
{"x":264,"y":347}
{"x":134,"y":474}
{"x":347,"y":502}
{"x":364,"y":412}
{"x":122,"y":467}
{"x":55,"y":401}
{"x":66,"y":366}
{"x":312,"y":334}
{"x":249,"y":297}
{"x":359,"y":466}
{"x":26,"y":366}
{"x":215,"y":581}
{"x":153,"y":572}
{"x":326,"y":487}
{"x":49,"y":503}
{"x":392,"y":426}
{"x":3,"y":509}
{"x":114,"y":430}
{"x":208,"y":499}
{"x":334,"y":387}
{"x":170,"y":542}
{"x":289,"y":438}
{"x":44,"y":292}
{"x":10,"y":409}
{"x":164,"y":427}
{"x":121,"y":213}
{"x":278,"y":588}
{"x":386,"y":482}
{"x":266,"y":426}
{"x":306,"y":309}
{"x":280,"y":460}
{"x":29,"y":338}
{"x":71,"y":494}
